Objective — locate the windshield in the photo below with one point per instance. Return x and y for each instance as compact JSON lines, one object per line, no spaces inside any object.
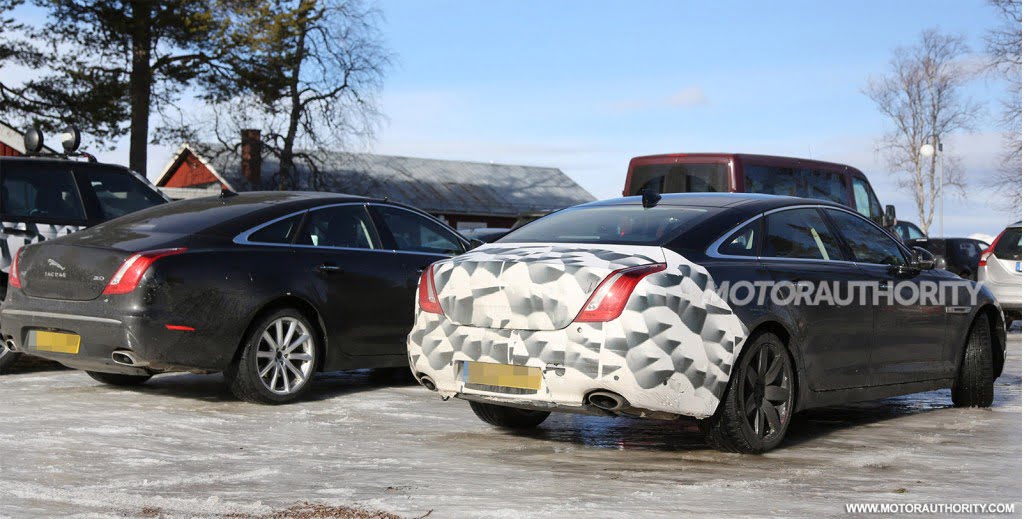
{"x":680,"y":178}
{"x":610,"y":225}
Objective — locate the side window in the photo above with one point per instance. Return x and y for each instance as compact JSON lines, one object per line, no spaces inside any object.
{"x":825,"y":185}
{"x":277,"y":232}
{"x":772,"y":181}
{"x":35,"y":192}
{"x":120,"y":193}
{"x":414,"y":233}
{"x":346,"y":226}
{"x":865,"y":199}
{"x":799,"y":233}
{"x":744,"y":241}
{"x":868,"y":243}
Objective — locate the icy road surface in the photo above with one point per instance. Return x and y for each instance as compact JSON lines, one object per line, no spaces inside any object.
{"x":182,"y":446}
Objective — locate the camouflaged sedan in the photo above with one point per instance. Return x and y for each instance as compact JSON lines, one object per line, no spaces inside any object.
{"x":734,"y":309}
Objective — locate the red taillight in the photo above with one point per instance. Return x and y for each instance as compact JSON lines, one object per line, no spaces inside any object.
{"x":608,"y":301}
{"x":988,"y":252}
{"x":179,"y":328}
{"x":428,"y":293}
{"x":128,"y":276}
{"x":13,"y":277}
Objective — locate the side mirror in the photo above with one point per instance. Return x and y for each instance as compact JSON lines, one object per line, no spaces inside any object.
{"x":889,"y":220}
{"x":921,"y":259}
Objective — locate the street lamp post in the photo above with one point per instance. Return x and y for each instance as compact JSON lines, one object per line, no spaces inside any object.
{"x":928,"y":150}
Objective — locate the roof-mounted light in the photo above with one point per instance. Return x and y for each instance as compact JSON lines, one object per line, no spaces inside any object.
{"x":71,"y":139}
{"x":33,"y":141}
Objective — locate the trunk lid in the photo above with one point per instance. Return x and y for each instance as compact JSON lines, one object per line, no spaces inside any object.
{"x":77,"y":268}
{"x":530,"y":286}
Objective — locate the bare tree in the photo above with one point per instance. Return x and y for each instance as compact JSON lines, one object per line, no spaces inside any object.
{"x":1004,"y":52}
{"x":922,"y":97}
{"x":304,"y":72}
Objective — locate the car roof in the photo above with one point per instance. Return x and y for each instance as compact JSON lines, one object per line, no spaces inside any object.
{"x":752,"y":201}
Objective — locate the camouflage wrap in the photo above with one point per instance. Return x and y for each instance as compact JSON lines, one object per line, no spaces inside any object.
{"x":34,"y":233}
{"x":671,"y":350}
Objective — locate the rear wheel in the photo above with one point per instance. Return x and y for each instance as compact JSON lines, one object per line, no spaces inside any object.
{"x":117,"y":379}
{"x":758,"y":404}
{"x":278,"y":359}
{"x":508,"y":417}
{"x":974,"y":385}
{"x":7,"y":358}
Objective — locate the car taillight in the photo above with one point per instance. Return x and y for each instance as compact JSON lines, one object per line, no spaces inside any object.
{"x":13,"y":277}
{"x":428,"y":293}
{"x":128,"y":276}
{"x":987,"y":253}
{"x":608,"y":301}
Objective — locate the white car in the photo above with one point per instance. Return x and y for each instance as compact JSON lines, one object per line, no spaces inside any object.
{"x":999,"y":270}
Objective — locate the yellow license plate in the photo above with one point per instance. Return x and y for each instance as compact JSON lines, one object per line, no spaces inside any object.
{"x":54,"y":341}
{"x":501,"y":375}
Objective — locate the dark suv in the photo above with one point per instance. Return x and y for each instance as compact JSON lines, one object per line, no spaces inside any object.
{"x":957,"y":255}
{"x":42,"y":198}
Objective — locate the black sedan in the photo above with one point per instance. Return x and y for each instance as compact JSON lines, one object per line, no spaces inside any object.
{"x":735,"y":309}
{"x":268,"y":288}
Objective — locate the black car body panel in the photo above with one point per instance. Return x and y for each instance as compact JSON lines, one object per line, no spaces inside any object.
{"x":217,"y":287}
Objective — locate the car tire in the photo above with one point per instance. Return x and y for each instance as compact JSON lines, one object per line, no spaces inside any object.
{"x":8,"y":359}
{"x":508,"y":417}
{"x":974,"y":384}
{"x":758,"y":385}
{"x":118,"y":379}
{"x":273,"y":359}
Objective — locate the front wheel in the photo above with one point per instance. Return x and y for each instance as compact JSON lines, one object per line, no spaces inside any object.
{"x":117,"y":379}
{"x":508,"y":417}
{"x":278,"y":359}
{"x":974,"y":384}
{"x":758,"y":404}
{"x":8,"y":358}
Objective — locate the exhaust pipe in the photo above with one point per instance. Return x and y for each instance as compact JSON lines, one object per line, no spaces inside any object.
{"x":428,"y":383}
{"x":607,"y":401}
{"x":10,"y":345}
{"x":127,"y":358}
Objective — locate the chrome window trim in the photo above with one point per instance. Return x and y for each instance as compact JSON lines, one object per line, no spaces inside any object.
{"x":712,"y":250}
{"x":243,"y":238}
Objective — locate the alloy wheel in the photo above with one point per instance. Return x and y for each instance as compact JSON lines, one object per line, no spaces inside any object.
{"x":767,"y":391}
{"x":285,"y":356}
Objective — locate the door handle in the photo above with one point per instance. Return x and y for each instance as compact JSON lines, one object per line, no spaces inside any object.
{"x":329,"y":268}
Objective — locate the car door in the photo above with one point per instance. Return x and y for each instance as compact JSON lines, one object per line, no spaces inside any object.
{"x":417,"y":241}
{"x":909,"y":340}
{"x":800,"y":248}
{"x":361,"y":285}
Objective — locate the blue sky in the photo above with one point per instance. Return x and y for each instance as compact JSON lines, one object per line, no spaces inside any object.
{"x":586,"y":85}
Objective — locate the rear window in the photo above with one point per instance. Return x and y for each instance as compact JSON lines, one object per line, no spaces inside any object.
{"x":610,"y":225}
{"x":187,"y":216}
{"x":1009,"y":245}
{"x":120,"y":193}
{"x":680,"y":178}
{"x":40,"y":191}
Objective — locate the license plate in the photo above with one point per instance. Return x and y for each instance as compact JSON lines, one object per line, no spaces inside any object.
{"x":54,"y":341}
{"x":1018,"y":266}
{"x":501,"y":375}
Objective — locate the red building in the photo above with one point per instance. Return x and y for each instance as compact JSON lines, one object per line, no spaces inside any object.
{"x":12,"y":142}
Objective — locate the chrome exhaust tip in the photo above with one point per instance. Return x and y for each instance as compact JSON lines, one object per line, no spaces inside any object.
{"x":127,"y":358}
{"x":428,"y":383}
{"x":10,"y":345}
{"x":607,"y":401}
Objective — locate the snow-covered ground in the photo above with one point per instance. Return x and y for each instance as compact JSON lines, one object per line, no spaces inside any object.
{"x":182,"y":446}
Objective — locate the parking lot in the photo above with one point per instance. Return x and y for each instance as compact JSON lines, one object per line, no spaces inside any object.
{"x":371,"y":442}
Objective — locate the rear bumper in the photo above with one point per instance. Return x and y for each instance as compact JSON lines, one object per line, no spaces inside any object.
{"x":1007,"y":294}
{"x":574,"y":362}
{"x":104,"y":329}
